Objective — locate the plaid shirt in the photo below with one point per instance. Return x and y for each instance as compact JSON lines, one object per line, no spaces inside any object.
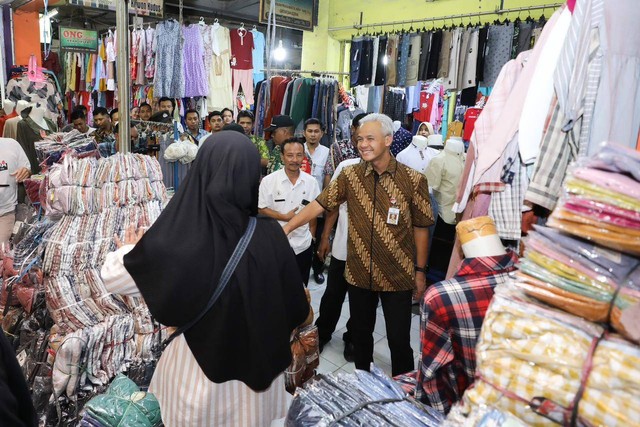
{"x":452,"y":315}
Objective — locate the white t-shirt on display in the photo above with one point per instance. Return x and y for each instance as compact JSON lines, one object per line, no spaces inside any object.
{"x":278,"y":193}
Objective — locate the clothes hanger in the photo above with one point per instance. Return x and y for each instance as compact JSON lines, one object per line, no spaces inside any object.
{"x":201,"y":22}
{"x":254,"y":28}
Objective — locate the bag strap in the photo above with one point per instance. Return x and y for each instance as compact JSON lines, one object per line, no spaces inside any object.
{"x":239,"y":251}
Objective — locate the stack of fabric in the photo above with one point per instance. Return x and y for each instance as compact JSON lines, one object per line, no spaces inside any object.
{"x":553,"y":362}
{"x":96,"y":334}
{"x":51,"y":149}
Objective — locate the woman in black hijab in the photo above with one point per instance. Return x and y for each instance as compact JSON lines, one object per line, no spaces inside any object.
{"x":176,"y":266}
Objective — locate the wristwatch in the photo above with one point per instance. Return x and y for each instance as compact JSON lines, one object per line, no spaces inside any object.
{"x":424,"y":269}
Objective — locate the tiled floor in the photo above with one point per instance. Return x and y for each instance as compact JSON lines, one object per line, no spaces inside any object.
{"x":332,"y":360}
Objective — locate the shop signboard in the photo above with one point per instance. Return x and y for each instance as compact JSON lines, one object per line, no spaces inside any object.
{"x":152,"y":8}
{"x":78,"y":40}
{"x":298,"y":14}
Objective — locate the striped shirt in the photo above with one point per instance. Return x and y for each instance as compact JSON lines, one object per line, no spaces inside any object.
{"x":380,"y":256}
{"x":187,"y":397}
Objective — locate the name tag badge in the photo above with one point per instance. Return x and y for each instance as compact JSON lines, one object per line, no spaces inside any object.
{"x":393,"y":216}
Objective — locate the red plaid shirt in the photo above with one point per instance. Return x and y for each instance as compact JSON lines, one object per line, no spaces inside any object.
{"x":452,"y":315}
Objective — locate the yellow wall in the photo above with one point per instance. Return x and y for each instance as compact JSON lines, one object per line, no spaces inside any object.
{"x":321,"y":49}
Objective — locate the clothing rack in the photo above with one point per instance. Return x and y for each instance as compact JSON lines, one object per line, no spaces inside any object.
{"x":446,"y":17}
{"x":282,"y":70}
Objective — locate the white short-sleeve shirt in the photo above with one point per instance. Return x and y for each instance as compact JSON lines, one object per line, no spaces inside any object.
{"x":339,"y":248}
{"x":278,"y":193}
{"x":12,"y":158}
{"x":318,"y":161}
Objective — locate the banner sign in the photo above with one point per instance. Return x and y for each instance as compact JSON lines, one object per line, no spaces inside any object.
{"x":153,"y":8}
{"x":78,"y":40}
{"x":298,"y":14}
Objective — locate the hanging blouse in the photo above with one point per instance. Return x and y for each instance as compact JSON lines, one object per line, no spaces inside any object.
{"x":196,"y":83}
{"x":169,"y":77}
{"x":150,"y":53}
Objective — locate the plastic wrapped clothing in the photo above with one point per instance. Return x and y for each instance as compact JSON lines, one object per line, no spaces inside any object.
{"x":532,"y":361}
{"x":358,"y":399}
{"x":124,"y":405}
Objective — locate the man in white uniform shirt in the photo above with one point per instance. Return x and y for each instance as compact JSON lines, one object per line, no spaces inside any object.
{"x":318,"y":155}
{"x":285,"y":192}
{"x":14,"y":168}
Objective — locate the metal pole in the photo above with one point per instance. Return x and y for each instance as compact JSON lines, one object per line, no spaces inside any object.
{"x":124,"y":85}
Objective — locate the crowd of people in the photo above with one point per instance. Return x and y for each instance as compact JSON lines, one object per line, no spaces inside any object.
{"x":352,"y":200}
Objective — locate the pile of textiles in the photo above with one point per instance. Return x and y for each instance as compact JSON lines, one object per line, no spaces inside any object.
{"x":123,"y":404}
{"x":96,"y":334}
{"x":51,"y":149}
{"x":541,"y":365}
{"x":562,"y":362}
{"x":361,"y":398}
{"x":481,"y":416}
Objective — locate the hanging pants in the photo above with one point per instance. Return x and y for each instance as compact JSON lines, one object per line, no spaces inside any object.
{"x":244,"y":78}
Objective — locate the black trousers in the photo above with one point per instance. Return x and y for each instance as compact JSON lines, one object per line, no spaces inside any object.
{"x":397,"y":314}
{"x":304,"y":264}
{"x":332,"y":301}
{"x":317,"y":264}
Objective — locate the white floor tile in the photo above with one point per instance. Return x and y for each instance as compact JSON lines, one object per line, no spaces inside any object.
{"x":381,"y":351}
{"x":415,"y":322}
{"x":333,"y":352}
{"x":348,"y":368}
{"x":325,"y":366}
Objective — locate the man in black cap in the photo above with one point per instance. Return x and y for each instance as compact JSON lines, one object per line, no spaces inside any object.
{"x":281,"y":128}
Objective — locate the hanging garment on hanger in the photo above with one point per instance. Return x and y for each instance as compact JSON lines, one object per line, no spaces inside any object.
{"x":524,"y":36}
{"x":499,"y":42}
{"x":258,"y":55}
{"x":468,"y":60}
{"x":242,"y":62}
{"x":445,"y":54}
{"x":150,"y":53}
{"x":483,"y":33}
{"x":381,"y":68}
{"x":355,"y":60}
{"x":169,"y":76}
{"x":413,"y":60}
{"x":205,"y":34}
{"x":366,"y":61}
{"x":392,"y":54}
{"x":374,"y":59}
{"x":451,"y":80}
{"x":220,"y":82}
{"x":425,"y":49}
{"x":196,"y":81}
{"x":111,"y":62}
{"x":403,"y":59}
{"x":434,"y":54}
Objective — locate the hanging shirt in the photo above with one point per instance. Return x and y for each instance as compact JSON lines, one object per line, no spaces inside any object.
{"x":417,"y":158}
{"x":241,"y":49}
{"x":470,"y":118}
{"x":258,"y":55}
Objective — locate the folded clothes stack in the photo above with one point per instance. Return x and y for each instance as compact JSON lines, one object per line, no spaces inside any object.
{"x":105,"y":333}
{"x":542,"y":365}
{"x":559,"y":343}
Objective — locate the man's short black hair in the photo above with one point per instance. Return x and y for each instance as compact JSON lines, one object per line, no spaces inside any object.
{"x":356,"y":120}
{"x":292,"y":141}
{"x":313,"y":121}
{"x":78,"y":114}
{"x":145,"y":104}
{"x":115,"y":110}
{"x":245,"y":114}
{"x":166,"y":98}
{"x":100,"y":111}
{"x":213,"y":114}
{"x":191,"y":111}
{"x":82,"y":108}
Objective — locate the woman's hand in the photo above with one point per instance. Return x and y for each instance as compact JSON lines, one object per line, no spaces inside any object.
{"x":131,"y":237}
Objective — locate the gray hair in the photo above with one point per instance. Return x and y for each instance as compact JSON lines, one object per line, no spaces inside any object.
{"x":384,"y":120}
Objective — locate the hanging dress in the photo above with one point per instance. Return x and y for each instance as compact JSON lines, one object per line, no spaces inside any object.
{"x":169,"y":78}
{"x":196,"y":81}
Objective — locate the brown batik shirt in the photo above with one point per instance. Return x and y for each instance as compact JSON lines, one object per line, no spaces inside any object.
{"x":380,"y":256}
